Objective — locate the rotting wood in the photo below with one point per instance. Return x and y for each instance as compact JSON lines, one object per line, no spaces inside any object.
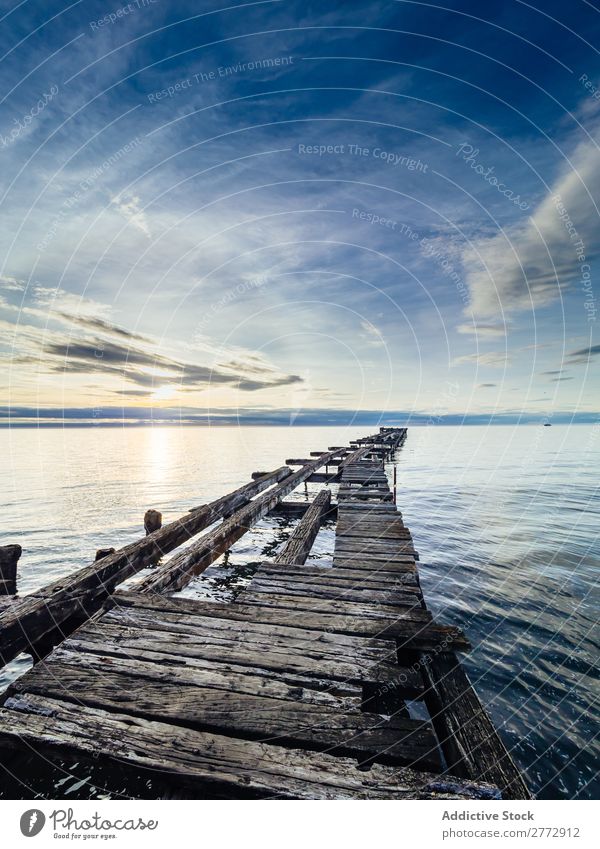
{"x":298,"y":546}
{"x":152,"y":521}
{"x":199,"y":759}
{"x":470,"y":742}
{"x":9,"y":557}
{"x":292,"y":723}
{"x":27,"y":621}
{"x":409,"y":627}
{"x":179,"y":571}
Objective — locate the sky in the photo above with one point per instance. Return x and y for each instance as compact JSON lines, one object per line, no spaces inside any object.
{"x":299,"y":212}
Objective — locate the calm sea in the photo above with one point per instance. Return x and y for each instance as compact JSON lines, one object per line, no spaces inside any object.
{"x":505,"y":520}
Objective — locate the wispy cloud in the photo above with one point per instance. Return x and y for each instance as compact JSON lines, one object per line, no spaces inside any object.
{"x":482,"y":329}
{"x":530,"y":263}
{"x":583,"y":355}
{"x":95,"y":347}
{"x":11,"y":284}
{"x":372,"y":335}
{"x":131,"y":209}
{"x":495,"y":359}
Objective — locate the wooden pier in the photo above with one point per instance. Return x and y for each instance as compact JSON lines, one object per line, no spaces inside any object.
{"x":318,"y":682}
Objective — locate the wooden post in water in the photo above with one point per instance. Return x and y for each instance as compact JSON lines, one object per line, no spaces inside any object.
{"x":152,"y":521}
{"x":9,"y":557}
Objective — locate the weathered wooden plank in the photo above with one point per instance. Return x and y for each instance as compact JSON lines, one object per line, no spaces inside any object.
{"x":371,"y":651}
{"x":303,"y":461}
{"x":340,"y":695}
{"x":284,"y":722}
{"x":410,"y":597}
{"x":349,"y":549}
{"x":175,"y":574}
{"x":298,"y":546}
{"x":366,"y":546}
{"x":367,"y":583}
{"x":223,"y":765}
{"x":305,"y":659}
{"x":33,"y":617}
{"x":353,"y":457}
{"x":352,"y":508}
{"x":345,"y":608}
{"x":370,"y":577}
{"x":410,"y":628}
{"x":374,"y":533}
{"x":471,"y":745}
{"x":367,"y":560}
{"x":370,"y":522}
{"x":363,"y":478}
{"x":359,"y":494}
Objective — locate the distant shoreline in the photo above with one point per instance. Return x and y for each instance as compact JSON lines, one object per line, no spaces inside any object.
{"x":419,"y":424}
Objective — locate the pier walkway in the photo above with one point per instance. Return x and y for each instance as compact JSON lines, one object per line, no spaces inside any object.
{"x":317,"y":682}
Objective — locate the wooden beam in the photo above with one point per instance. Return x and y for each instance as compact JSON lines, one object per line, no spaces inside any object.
{"x":26,"y":621}
{"x":472,"y":747}
{"x":354,"y":457}
{"x":302,"y":461}
{"x":298,"y":546}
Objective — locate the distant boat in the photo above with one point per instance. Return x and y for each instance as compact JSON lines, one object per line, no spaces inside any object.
{"x":547,"y":424}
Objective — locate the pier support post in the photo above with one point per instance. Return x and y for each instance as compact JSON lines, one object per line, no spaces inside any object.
{"x":9,"y":557}
{"x":152,"y":521}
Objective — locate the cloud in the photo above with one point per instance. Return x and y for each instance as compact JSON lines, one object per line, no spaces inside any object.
{"x":557,"y":379}
{"x":530,"y":263}
{"x":68,"y":303}
{"x":372,"y":335}
{"x":147,"y":368}
{"x":481,"y":329}
{"x":95,"y":346}
{"x":486,"y":385}
{"x":554,"y":371}
{"x":11,"y":284}
{"x":495,"y":359}
{"x":131,"y":209}
{"x":107,"y":327}
{"x":583,"y":355}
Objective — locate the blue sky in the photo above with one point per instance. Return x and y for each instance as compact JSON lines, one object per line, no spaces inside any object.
{"x":297,"y":211}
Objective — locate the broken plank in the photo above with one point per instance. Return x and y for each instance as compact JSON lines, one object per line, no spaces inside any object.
{"x":201,"y":760}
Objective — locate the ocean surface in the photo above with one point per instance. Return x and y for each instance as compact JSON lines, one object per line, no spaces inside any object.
{"x":505,"y":520}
